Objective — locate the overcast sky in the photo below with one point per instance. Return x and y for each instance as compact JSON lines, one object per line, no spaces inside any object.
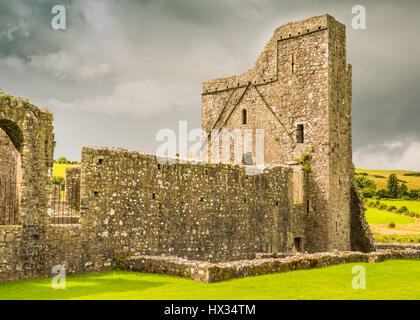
{"x":122,"y":70}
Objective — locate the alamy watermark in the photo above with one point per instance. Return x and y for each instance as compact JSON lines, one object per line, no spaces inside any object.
{"x":59,"y":281}
{"x":359,"y":20}
{"x":237,"y":146}
{"x":58,"y":22}
{"x":359,"y":280}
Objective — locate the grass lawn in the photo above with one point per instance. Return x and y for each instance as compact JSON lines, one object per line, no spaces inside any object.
{"x":412,"y":182}
{"x":375,"y":216}
{"x":59,"y":169}
{"x":410,"y":204}
{"x":394,"y":279}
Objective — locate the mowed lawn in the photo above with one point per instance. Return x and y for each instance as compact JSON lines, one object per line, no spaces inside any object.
{"x":393,"y":279}
{"x":375,"y":216}
{"x":410,"y":204}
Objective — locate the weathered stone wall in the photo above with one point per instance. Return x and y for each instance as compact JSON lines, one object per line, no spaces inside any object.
{"x":203,"y":211}
{"x":300,"y":78}
{"x":211,"y":272}
{"x":361,"y":236}
{"x":30,"y":130}
{"x":132,"y":203}
{"x":10,"y":177}
{"x":67,"y":245}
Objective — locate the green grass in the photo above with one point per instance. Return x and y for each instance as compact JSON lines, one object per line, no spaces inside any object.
{"x":410,"y":238}
{"x":410,"y":204}
{"x":375,"y":216}
{"x":412,"y":182}
{"x":395,"y":279}
{"x":59,"y":169}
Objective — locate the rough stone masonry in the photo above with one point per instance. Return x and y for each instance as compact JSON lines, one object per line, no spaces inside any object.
{"x":299,"y":93}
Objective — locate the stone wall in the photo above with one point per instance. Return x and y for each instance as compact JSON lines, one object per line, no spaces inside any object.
{"x":132,"y":203}
{"x":212,"y":272}
{"x":30,"y":130}
{"x":300,"y":78}
{"x":10,"y":176}
{"x":212,"y":212}
{"x":361,"y":236}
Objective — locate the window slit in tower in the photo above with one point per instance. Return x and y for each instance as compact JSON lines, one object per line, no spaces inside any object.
{"x":293,"y":63}
{"x":299,"y":133}
{"x":244,"y":120}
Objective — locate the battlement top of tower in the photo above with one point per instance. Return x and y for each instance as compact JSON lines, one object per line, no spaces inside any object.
{"x":264,"y":70}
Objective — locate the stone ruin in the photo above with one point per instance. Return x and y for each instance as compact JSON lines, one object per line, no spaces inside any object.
{"x":299,"y":93}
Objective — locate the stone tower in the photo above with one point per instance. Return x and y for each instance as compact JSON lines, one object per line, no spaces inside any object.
{"x":299,"y":93}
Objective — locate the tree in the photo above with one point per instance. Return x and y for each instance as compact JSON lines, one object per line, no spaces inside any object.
{"x":414,"y":194}
{"x":402,"y":190}
{"x":366,"y":186}
{"x":382,"y":193}
{"x":62,"y":160}
{"x":392,"y":186}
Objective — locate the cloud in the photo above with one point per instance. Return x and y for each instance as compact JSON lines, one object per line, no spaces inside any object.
{"x":21,"y":27}
{"x":394,"y":156}
{"x":147,"y":59}
{"x":12,"y":62}
{"x":141,"y":99}
{"x":62,"y":65}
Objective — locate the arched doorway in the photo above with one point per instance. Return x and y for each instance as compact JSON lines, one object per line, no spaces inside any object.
{"x":11,"y":140}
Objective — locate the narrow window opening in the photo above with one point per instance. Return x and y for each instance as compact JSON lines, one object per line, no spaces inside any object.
{"x":277,"y":203}
{"x":201,"y":199}
{"x":293,"y":63}
{"x":244,"y":200}
{"x":336,"y":226}
{"x":100,"y":161}
{"x":307,"y":206}
{"x":299,"y":133}
{"x":153,"y":196}
{"x":244,"y":119}
{"x":158,"y":166}
{"x":298,"y":244}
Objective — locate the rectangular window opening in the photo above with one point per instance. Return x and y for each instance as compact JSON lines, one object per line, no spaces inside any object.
{"x":298,"y":244}
{"x":299,"y":133}
{"x":293,"y":63}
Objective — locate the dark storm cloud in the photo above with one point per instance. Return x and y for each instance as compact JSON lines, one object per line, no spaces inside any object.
{"x":138,"y":66}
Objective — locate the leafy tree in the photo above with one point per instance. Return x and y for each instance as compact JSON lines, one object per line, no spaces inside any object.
{"x":402,"y":189}
{"x":59,"y":181}
{"x":62,"y":160}
{"x":366,"y":186}
{"x":392,"y":186}
{"x":382,"y":193}
{"x":414,"y":194}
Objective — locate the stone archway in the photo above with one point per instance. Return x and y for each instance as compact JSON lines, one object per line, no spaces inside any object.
{"x":28,"y":131}
{"x":10,"y":173}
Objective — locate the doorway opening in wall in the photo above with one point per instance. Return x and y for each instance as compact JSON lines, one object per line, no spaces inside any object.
{"x":298,"y":244}
{"x":11,"y":139}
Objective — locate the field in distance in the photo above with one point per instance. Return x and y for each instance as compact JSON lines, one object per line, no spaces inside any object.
{"x":380,"y":177}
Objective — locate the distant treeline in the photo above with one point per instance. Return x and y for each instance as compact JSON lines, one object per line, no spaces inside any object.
{"x":395,"y":189}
